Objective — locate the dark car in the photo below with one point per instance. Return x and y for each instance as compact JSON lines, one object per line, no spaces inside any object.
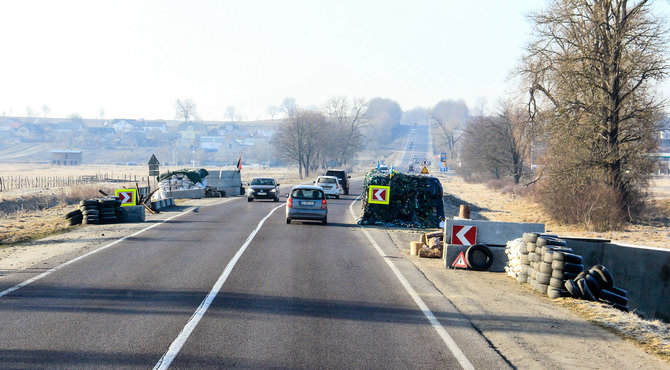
{"x":342,"y":176}
{"x":263,"y":188}
{"x":307,"y":202}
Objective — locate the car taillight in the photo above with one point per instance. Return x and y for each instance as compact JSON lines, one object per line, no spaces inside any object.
{"x":289,"y":203}
{"x":324,"y":205}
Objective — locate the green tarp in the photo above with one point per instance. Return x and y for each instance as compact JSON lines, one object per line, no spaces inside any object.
{"x":415,"y":201}
{"x":194,"y":175}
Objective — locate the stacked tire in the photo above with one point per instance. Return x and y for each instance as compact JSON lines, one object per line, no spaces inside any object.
{"x":107,"y":209}
{"x":90,"y":212}
{"x":597,"y":284}
{"x":565,"y":265}
{"x":74,"y":217}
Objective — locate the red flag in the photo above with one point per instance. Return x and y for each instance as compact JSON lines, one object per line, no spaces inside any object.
{"x":239,"y":163}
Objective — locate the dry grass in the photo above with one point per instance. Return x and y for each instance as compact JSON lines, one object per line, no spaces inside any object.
{"x":24,"y":226}
{"x":652,"y":335}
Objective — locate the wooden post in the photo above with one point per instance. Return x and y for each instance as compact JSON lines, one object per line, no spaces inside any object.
{"x":464,"y":212}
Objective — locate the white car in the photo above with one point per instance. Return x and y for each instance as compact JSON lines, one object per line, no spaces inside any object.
{"x":330,"y":185}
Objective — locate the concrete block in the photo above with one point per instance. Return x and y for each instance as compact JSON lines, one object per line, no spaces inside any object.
{"x":643,"y":271}
{"x":132,"y":214}
{"x":451,"y":252}
{"x":187,"y":194}
{"x":493,"y":232}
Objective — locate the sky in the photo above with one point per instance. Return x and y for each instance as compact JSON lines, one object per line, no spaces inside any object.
{"x":134,"y":59}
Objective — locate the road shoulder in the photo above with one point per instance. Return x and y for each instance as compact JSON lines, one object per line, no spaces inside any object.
{"x":529,"y":330}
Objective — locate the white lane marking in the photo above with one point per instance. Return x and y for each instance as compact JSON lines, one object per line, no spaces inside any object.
{"x":49,"y":272}
{"x":181,"y":339}
{"x":441,"y":331}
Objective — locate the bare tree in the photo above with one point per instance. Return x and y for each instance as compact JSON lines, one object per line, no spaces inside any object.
{"x":498,"y":145}
{"x":288,"y":106}
{"x":345,"y":131}
{"x":591,"y":70}
{"x":272,"y":111}
{"x":101,"y":113}
{"x":299,"y":138}
{"x":450,"y":116}
{"x":185,"y":110}
{"x":30,"y":112}
{"x":231,"y":113}
{"x":45,"y":110}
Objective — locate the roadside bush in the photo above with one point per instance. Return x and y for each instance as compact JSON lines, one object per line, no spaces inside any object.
{"x":589,"y":203}
{"x":507,"y":186}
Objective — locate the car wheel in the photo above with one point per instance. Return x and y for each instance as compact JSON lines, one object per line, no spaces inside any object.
{"x":346,"y":191}
{"x":249,"y":199}
{"x":276,"y":199}
{"x":324,"y":221}
{"x":337,"y":196}
{"x":288,"y":220}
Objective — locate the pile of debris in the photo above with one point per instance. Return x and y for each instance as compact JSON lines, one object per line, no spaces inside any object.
{"x":184,"y":179}
{"x":414,"y":201}
{"x":430,"y":246}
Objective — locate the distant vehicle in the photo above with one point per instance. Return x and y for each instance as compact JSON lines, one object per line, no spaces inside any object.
{"x":342,"y":176}
{"x":307,"y":202}
{"x":330,"y":185}
{"x":384,"y":168}
{"x":263,"y":188}
{"x":413,"y":131}
{"x":410,"y":168}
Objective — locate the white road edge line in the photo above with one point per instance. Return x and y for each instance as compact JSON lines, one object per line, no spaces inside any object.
{"x":192,"y":322}
{"x":441,"y":331}
{"x":49,"y":272}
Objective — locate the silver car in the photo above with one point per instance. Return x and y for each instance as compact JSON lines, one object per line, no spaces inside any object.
{"x":307,"y":202}
{"x":330,"y":185}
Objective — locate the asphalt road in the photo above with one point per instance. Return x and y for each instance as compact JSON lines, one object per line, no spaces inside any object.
{"x":214,"y":289}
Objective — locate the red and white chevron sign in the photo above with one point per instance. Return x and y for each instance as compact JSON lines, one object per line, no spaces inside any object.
{"x":379,"y":194}
{"x":463,"y":235}
{"x":128,"y":197}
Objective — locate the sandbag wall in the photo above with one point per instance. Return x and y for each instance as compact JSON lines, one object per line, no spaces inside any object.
{"x":548,"y":266}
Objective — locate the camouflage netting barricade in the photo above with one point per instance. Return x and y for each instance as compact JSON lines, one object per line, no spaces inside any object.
{"x":412,"y":201}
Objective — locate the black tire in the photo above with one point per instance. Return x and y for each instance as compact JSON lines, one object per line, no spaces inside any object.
{"x":604,"y":275}
{"x":337,"y":196}
{"x":76,"y":220}
{"x":276,"y":199}
{"x":574,"y":268}
{"x":580,"y":275}
{"x":572,"y":288}
{"x":554,"y":293}
{"x":568,"y":257}
{"x":524,"y":269}
{"x":250,"y":199}
{"x":618,"y":291}
{"x":543,"y":278}
{"x":542,"y":288}
{"x":586,"y":292}
{"x":560,"y":274}
{"x":557,"y":265}
{"x":324,"y":221}
{"x":473,"y":257}
{"x":530,"y":237}
{"x":88,"y":202}
{"x":72,"y":213}
{"x":614,"y":298}
{"x":531,"y":257}
{"x":593,"y":284}
{"x":545,"y":268}
{"x":288,"y":220}
{"x":621,"y":308}
{"x":548,"y":256}
{"x":346,"y":191}
{"x":556,"y":283}
{"x":522,"y":278}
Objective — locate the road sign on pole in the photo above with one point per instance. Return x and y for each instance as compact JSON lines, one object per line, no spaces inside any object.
{"x":128,"y":197}
{"x":378,"y":194}
{"x":443,"y":157}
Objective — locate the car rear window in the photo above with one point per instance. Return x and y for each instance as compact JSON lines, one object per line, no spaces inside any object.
{"x":307,"y":194}
{"x":326,"y":180}
{"x":262,"y":182}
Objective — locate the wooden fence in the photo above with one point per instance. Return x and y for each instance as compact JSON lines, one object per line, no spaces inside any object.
{"x":35,"y":182}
